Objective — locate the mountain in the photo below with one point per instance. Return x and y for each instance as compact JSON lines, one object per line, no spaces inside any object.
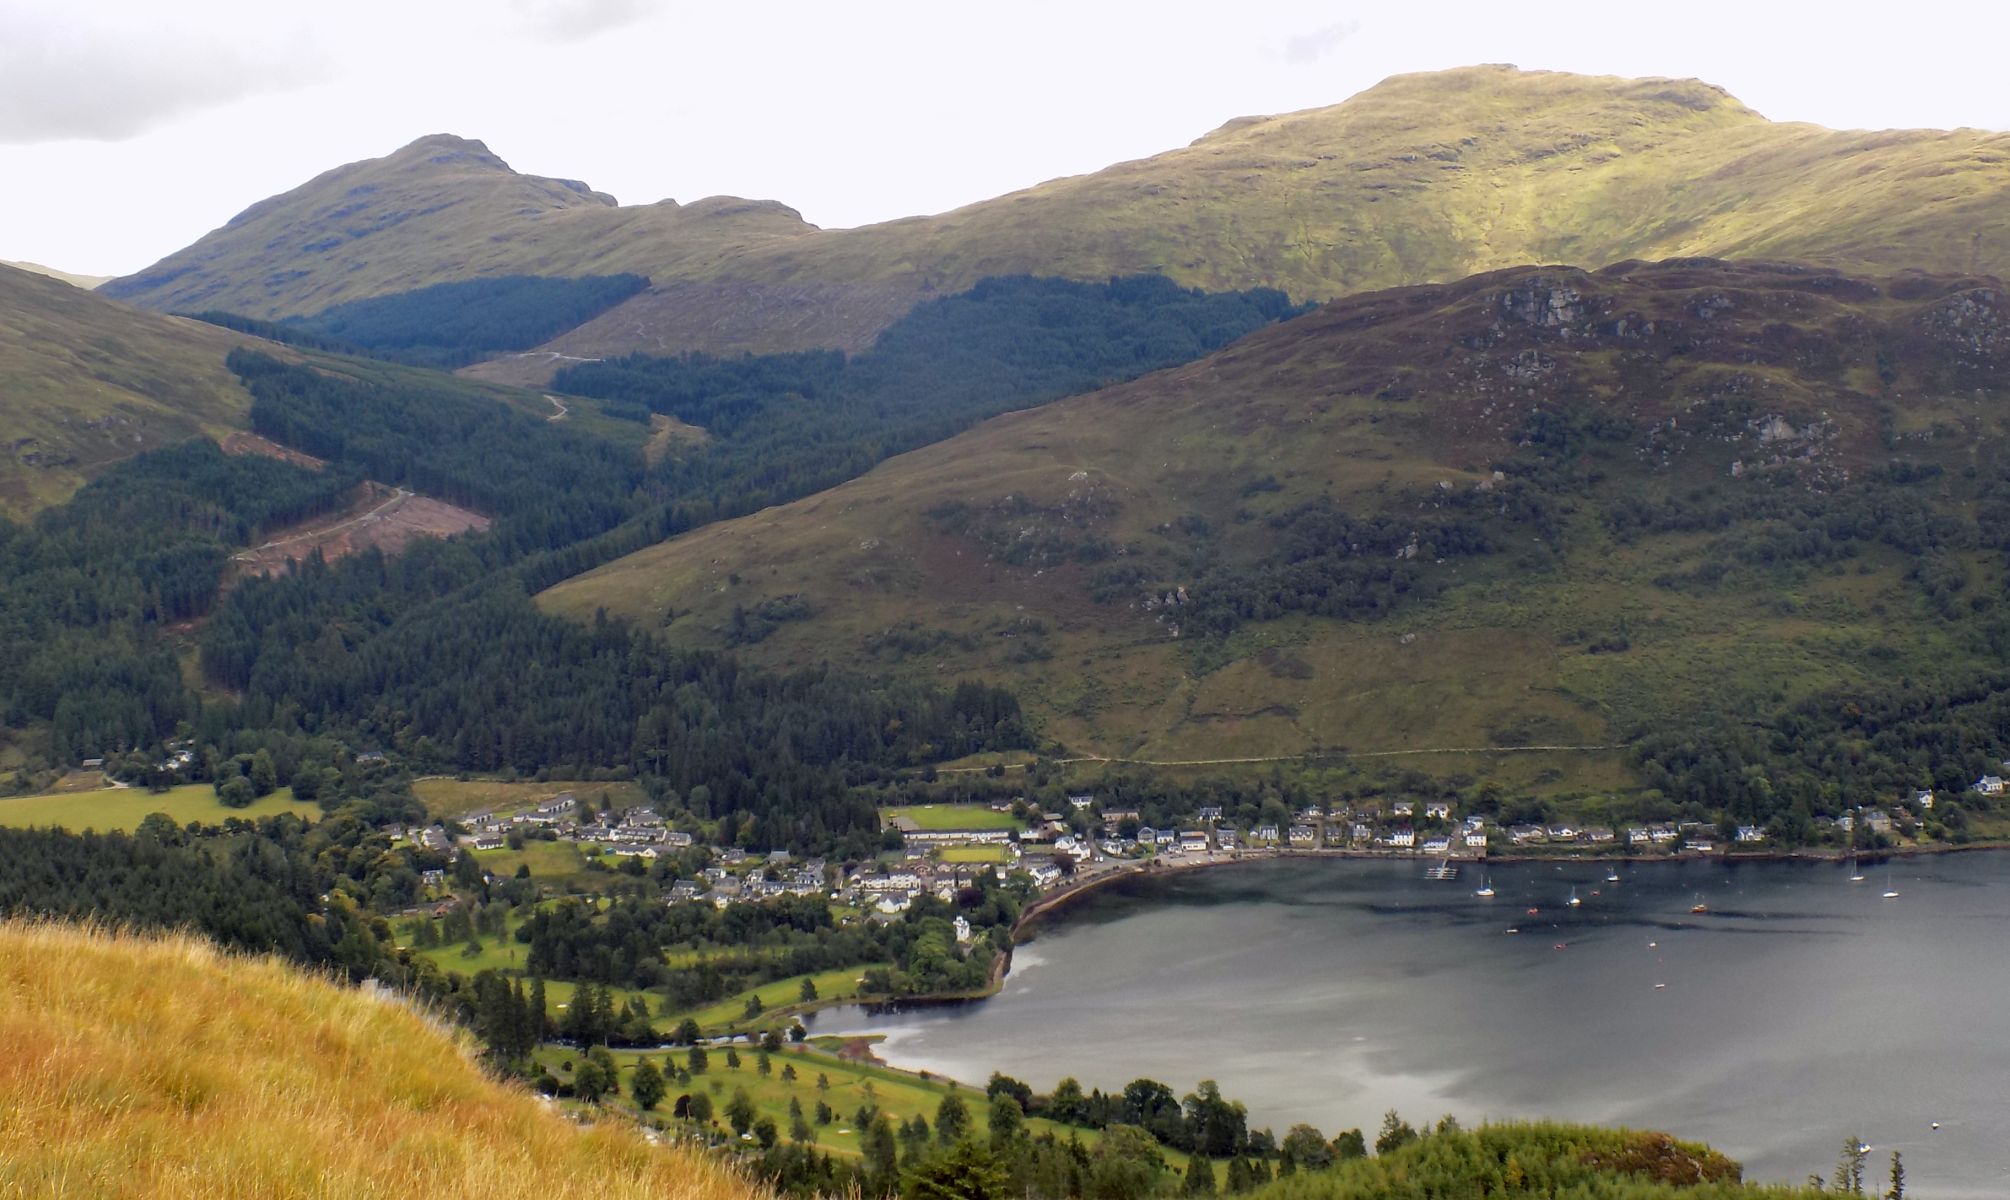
{"x":85,"y":382}
{"x":162,"y":1067}
{"x":1538,"y":507}
{"x":87,"y":282}
{"x":1420,"y":178}
{"x":442,"y":208}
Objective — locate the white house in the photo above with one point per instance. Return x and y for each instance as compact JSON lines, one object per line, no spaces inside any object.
{"x":1988,"y":785}
{"x":1750,"y":834}
{"x":1924,"y":799}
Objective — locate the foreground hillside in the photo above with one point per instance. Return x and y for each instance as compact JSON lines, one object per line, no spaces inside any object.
{"x":1537,"y":507}
{"x":1427,"y":177}
{"x":85,"y":382}
{"x":161,"y":1067}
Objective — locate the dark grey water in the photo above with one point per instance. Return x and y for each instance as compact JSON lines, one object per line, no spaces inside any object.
{"x":1802,"y":1009}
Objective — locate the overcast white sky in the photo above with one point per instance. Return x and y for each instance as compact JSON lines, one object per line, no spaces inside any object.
{"x":128,"y":128}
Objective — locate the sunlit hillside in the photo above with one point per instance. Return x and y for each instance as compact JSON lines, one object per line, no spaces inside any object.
{"x":85,"y":382}
{"x":160,"y":1067}
{"x":1422,"y":178}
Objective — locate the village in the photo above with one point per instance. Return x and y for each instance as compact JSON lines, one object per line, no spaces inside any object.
{"x":947,"y":848}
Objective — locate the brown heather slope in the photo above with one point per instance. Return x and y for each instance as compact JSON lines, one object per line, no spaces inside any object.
{"x":162,"y":1068}
{"x":1420,"y":178}
{"x":1720,"y":384}
{"x":441,"y":208}
{"x":85,"y":382}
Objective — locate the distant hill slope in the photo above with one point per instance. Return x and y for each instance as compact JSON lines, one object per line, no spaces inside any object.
{"x":87,"y":282}
{"x":1426,"y":177}
{"x":85,"y":382}
{"x":442,"y":208}
{"x":1536,"y":507}
{"x":161,"y":1067}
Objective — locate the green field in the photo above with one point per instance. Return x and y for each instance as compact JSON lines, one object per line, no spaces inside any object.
{"x":729,"y":1013}
{"x":955,"y":816}
{"x":108,"y":809}
{"x":459,"y":797}
{"x":554,"y":862}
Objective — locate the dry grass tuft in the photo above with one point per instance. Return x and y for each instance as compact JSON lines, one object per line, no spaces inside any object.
{"x":160,"y":1066}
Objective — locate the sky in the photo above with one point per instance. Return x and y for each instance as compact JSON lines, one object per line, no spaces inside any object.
{"x":129,"y":128}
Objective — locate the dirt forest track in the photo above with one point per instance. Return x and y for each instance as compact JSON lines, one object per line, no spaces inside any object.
{"x":383,"y":518}
{"x":1284,"y":758}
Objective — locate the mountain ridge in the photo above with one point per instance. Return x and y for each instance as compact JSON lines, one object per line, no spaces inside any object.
{"x":386,"y":225}
{"x":1423,"y":177}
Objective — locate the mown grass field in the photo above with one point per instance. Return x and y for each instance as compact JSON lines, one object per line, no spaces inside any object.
{"x":954,"y":816}
{"x":107,"y":809}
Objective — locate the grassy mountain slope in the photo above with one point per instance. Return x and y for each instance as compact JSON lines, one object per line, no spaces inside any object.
{"x":162,"y":1067}
{"x":442,"y":208}
{"x":87,"y":282}
{"x":85,"y":382}
{"x":1694,"y":510}
{"x":1423,"y":177}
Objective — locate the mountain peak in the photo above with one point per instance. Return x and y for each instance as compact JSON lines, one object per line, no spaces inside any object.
{"x":441,"y":149}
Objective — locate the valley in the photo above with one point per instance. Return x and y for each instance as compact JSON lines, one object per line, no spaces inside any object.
{"x":669,"y":699}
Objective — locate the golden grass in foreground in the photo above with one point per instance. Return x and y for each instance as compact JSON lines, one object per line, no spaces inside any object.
{"x":150,"y":1066}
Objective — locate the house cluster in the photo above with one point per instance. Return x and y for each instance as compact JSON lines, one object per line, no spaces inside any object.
{"x":777,"y":875}
{"x":1566,"y":833}
{"x":638,"y":833}
{"x":890,"y":890}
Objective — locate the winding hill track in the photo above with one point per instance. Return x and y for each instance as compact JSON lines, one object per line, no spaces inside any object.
{"x":1283,"y":758}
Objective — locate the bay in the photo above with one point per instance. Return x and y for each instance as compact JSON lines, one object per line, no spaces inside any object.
{"x":1800,"y":1010}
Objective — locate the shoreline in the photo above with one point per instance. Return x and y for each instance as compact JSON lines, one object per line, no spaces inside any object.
{"x":1049,"y":903}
